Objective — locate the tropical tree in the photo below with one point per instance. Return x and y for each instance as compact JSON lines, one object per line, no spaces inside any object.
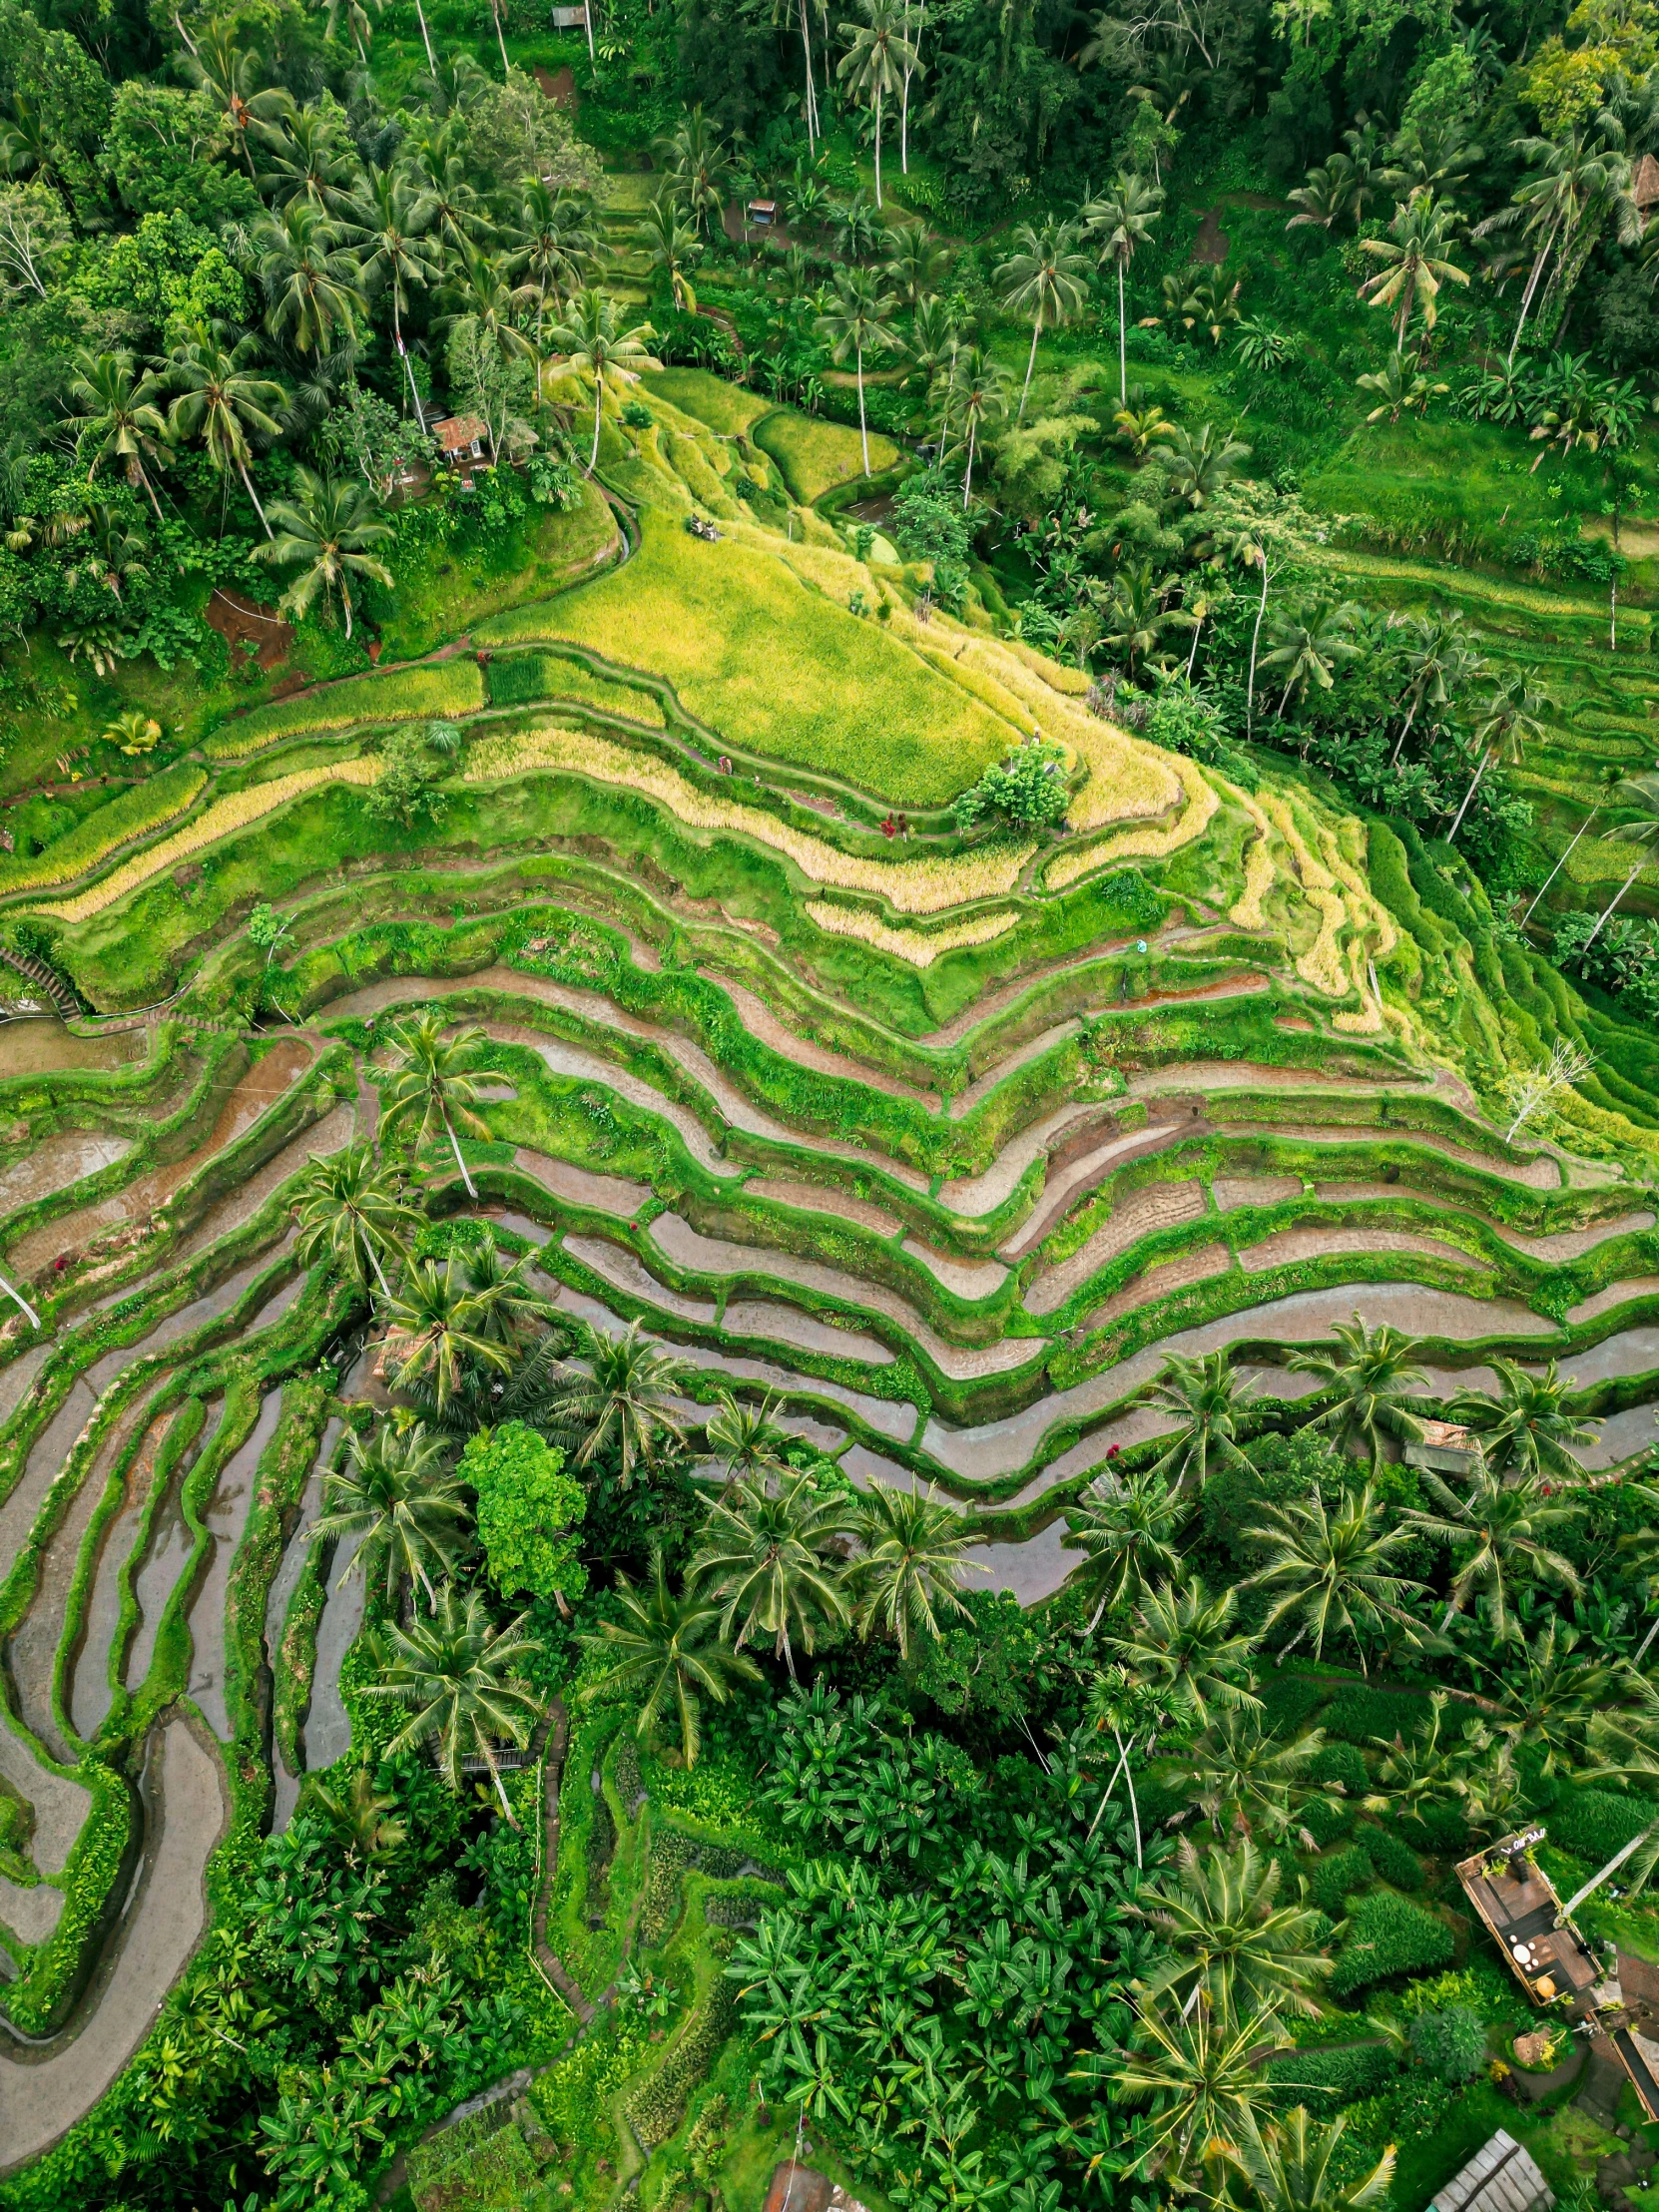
{"x":312,"y":280}
{"x":876,"y":63}
{"x":624,"y":1400}
{"x":464,"y":1682}
{"x":1185,"y":1645}
{"x":1119,"y":224}
{"x":389,"y":224}
{"x":1126,"y":1527}
{"x":767,"y":1550}
{"x":399,"y":1493}
{"x":1233,"y":1943}
{"x":233,"y":82}
{"x":1640,"y":791}
{"x":917,"y":264}
{"x":1400,"y":388}
{"x":670,"y":245}
{"x":1417,"y":262}
{"x":1528,"y":1427}
{"x":437,"y":1328}
{"x":1332,"y":1569}
{"x":1197,"y":467}
{"x":116,"y":418}
{"x":220,"y":400}
{"x":1203,"y":2075}
{"x":329,"y":531}
{"x":1510,"y":720}
{"x":1244,"y":1776}
{"x":1310,"y":645}
{"x":363,"y":1817}
{"x":553,"y":244}
{"x":1044,"y":279}
{"x":595,"y":346}
{"x":854,"y":320}
{"x":699,"y":168}
{"x":1133,"y":616}
{"x":1500,"y":1526}
{"x":745,"y":1438}
{"x":669,"y":1649}
{"x":913,"y":1550}
{"x":350,"y":1210}
{"x":1292,"y":2165}
{"x":1206,"y":1395}
{"x":1371,"y":1374}
{"x":433,"y":1083}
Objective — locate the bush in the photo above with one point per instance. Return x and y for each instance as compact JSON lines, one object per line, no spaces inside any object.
{"x":1343,"y":1764}
{"x":1594,"y":1824}
{"x":1388,"y":1936}
{"x":1027,"y":790}
{"x":1392,"y":1858}
{"x":1362,"y":1716}
{"x":1450,"y":2046}
{"x":1325,"y":1822}
{"x":1323,"y":2079}
{"x":1336,"y":1878}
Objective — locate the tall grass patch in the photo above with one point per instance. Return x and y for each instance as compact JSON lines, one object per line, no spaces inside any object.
{"x":817,"y":457}
{"x":400,"y":695}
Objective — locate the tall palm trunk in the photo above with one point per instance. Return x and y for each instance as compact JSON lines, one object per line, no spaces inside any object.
{"x":1192,"y":657}
{"x":1123,"y":344}
{"x":1486,"y":760}
{"x":878,"y":145}
{"x":1608,"y":914}
{"x":1404,"y":731}
{"x":454,"y":1146}
{"x":598,"y":416}
{"x":495,"y":1777}
{"x":18,"y":1299}
{"x":247,"y":487}
{"x":500,"y":39}
{"x":863,"y":426}
{"x":810,"y":107}
{"x":1532,"y":287}
{"x":969,"y":478}
{"x":425,"y":37}
{"x":1024,"y":390}
{"x":1255,"y":638}
{"x":403,"y":357}
{"x":1560,"y":865}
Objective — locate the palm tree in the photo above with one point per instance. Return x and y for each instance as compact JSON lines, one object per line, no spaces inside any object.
{"x":877,"y":59}
{"x":626,"y":1398}
{"x":855,"y":321}
{"x":1416,"y":264}
{"x":596,"y":347}
{"x":976,"y":397}
{"x":1293,"y":2166}
{"x":232,"y":81}
{"x":110,"y":553}
{"x":911,"y":1559}
{"x":1133,"y":614}
{"x":509,"y":1313}
{"x":671,"y":247}
{"x":917,"y":264}
{"x":464,"y":1680}
{"x":434,"y":1083}
{"x":220,"y":399}
{"x":669,"y":1648}
{"x":1332,"y":1571}
{"x":436,"y":1326}
{"x":1501,"y":1527}
{"x":767,"y":1552}
{"x":363,"y":1817}
{"x":1243,"y":1776}
{"x":1546,"y":1696}
{"x":389,"y":224}
{"x":746,"y":1438}
{"x":1232,"y":1942}
{"x":1511,"y":719}
{"x":308,"y":162}
{"x":329,"y":531}
{"x":1528,"y":1427}
{"x":1043,"y":277}
{"x":1312,"y":643}
{"x":1197,"y":467}
{"x":1204,"y":2077}
{"x":1635,"y":790}
{"x":553,"y":244}
{"x":1373,"y":1373}
{"x":312,"y":278}
{"x":449,"y":196}
{"x":699,"y":167}
{"x":1206,"y":1395}
{"x":1400,"y":388}
{"x":1122,"y":221}
{"x":348,"y":1209}
{"x":1434,"y":659}
{"x":1126,"y":1525}
{"x":399,"y":1492}
{"x":1184,"y":1645}
{"x":117,"y":418}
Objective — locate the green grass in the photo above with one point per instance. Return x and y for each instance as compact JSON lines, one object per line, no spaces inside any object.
{"x":397,"y":694}
{"x":775,"y":666}
{"x":728,"y":408}
{"x":447,"y":587}
{"x":817,"y":457}
{"x":534,"y":676}
{"x":131,"y":813}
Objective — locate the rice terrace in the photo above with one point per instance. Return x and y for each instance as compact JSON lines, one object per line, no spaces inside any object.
{"x":828,"y":1107}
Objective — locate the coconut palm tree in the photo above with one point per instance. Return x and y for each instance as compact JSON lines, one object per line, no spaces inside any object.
{"x":1502,"y":1528}
{"x":1312,"y":643}
{"x":1372,"y":1373}
{"x":1293,"y":2166}
{"x":108,"y":552}
{"x":350,"y":1210}
{"x":746,"y":1438}
{"x":553,"y":245}
{"x":1197,"y":467}
{"x":1133,"y":614}
{"x":855,"y":321}
{"x":976,"y":397}
{"x":1207,"y":1395}
{"x":1244,"y":1777}
{"x":327,"y":531}
{"x":220,"y":399}
{"x":1119,"y":224}
{"x":877,"y":60}
{"x":363,"y":1817}
{"x":434,"y":1083}
{"x":698,"y":165}
{"x":670,"y":245}
{"x":1126,"y":1527}
{"x":1332,"y":1569}
{"x":1417,"y":262}
{"x":595,"y":346}
{"x":312,"y":283}
{"x":917,"y":264}
{"x":1528,"y":1427}
{"x":449,"y":197}
{"x":437,"y":1326}
{"x":464,"y":1682}
{"x":1183,"y":1644}
{"x":389,"y":222}
{"x":232,"y":81}
{"x":1547,"y":1694}
{"x":668,"y":1648}
{"x":1232,"y":1942}
{"x":1634,"y":791}
{"x":1510,"y":720}
{"x":509,"y":1313}
{"x":1203,"y":2076}
{"x":399,"y":1492}
{"x":309,"y":161}
{"x":1043,"y":277}
{"x":767,"y":1550}
{"x":910,"y":1563}
{"x":624,"y":1399}
{"x":1435,"y":657}
{"x":116,"y":418}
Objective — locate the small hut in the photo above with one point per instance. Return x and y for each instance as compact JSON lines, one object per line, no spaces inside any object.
{"x":1644,"y":183}
{"x":460,"y":438}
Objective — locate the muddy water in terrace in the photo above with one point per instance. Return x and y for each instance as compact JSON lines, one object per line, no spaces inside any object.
{"x":48,"y":1048}
{"x":327,"y":1723}
{"x":164,"y":1559}
{"x":56,"y":1162}
{"x":257,"y":1090}
{"x":225,"y":1519}
{"x":88,"y":1690}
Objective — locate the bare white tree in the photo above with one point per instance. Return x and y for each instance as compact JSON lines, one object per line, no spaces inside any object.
{"x":1537,"y":1088}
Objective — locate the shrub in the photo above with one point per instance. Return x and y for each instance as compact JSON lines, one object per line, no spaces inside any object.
{"x":1388,"y":1936}
{"x":1323,"y":2079}
{"x":1336,"y":1878}
{"x":1452,"y":2045}
{"x":1325,"y":1822}
{"x":1362,"y":1716}
{"x":1288,"y":1699}
{"x":1594,"y":1824}
{"x":1027,"y":790}
{"x":1414,"y":2109}
{"x":1343,"y":1764}
{"x":1392,"y":1858}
